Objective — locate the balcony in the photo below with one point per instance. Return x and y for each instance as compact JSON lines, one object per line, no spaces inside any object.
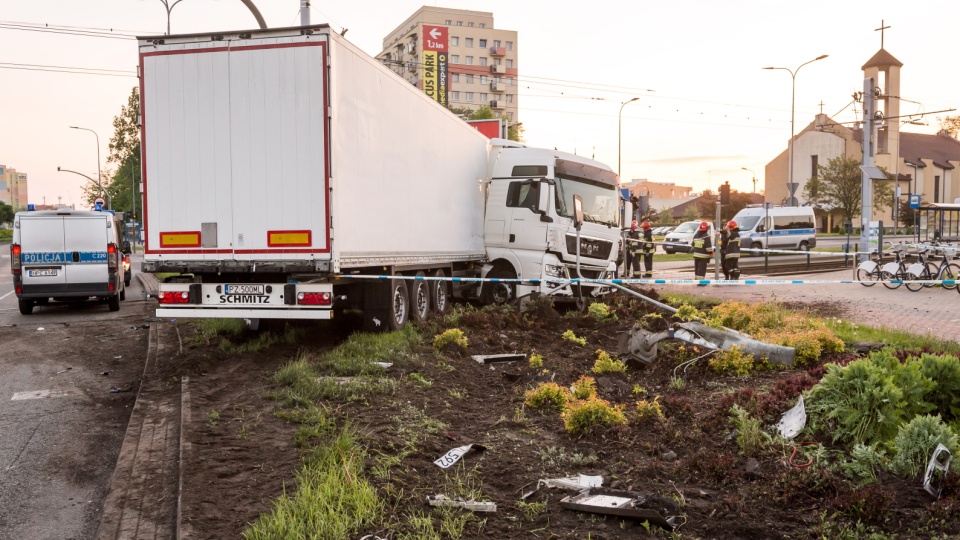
{"x":496,"y":87}
{"x":496,"y":104}
{"x":498,"y":51}
{"x":498,"y":69}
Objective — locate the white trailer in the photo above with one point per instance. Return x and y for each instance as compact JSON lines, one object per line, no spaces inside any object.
{"x":281,"y":165}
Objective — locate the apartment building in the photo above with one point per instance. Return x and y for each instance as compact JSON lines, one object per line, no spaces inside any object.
{"x":458,"y":58}
{"x":13,"y":187}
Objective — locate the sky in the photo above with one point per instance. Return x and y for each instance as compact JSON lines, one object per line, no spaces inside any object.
{"x":706,"y":109}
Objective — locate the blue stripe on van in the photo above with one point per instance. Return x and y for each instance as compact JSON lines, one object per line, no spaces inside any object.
{"x":778,"y":232}
{"x":62,"y":257}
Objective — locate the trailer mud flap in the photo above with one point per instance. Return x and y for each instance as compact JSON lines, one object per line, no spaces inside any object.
{"x":376,"y":306}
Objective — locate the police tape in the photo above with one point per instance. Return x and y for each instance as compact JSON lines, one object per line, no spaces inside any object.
{"x":650,"y":281}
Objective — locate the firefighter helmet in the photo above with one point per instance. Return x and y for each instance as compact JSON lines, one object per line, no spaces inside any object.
{"x":645,"y":225}
{"x":704,"y":226}
{"x":633,"y":225}
{"x":731,"y":224}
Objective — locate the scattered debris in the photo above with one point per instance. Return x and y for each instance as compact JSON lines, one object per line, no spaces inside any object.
{"x":793,"y":420}
{"x":657,"y":510}
{"x":452,"y":435}
{"x":454,"y":455}
{"x":117,"y":390}
{"x":40,"y":329}
{"x":476,"y":506}
{"x":64,"y":370}
{"x":516,"y":377}
{"x":640,"y":345}
{"x":937,"y":470}
{"x":496,"y":358}
{"x":154,"y":319}
{"x":105,"y":373}
{"x":577,"y":483}
{"x":384,"y":365}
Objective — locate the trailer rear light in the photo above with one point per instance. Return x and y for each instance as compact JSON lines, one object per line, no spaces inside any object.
{"x":315,"y":298}
{"x":175,"y":297}
{"x":15,"y":258}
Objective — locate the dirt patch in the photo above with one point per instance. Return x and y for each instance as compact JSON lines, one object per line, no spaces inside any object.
{"x":241,"y":456}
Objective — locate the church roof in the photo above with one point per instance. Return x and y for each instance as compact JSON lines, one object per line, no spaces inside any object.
{"x":882,"y":59}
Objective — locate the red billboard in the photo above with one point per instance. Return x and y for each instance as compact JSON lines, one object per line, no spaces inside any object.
{"x":434,"y":72}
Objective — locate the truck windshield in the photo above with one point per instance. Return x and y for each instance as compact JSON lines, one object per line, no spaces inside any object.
{"x":599,"y":200}
{"x":746,"y":223}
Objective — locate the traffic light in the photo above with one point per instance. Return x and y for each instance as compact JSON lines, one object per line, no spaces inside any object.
{"x":725,"y":193}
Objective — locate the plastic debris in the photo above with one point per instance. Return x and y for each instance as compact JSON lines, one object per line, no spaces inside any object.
{"x":793,"y":420}
{"x":476,"y":506}
{"x":937,"y":470}
{"x":661,"y":511}
{"x":384,"y":365}
{"x":454,"y":455}
{"x":495,"y":358}
{"x":579,"y":482}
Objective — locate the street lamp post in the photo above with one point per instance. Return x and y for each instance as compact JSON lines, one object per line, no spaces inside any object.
{"x":793,"y":93}
{"x":620,"y":130}
{"x":752,"y":174}
{"x":109,"y":202}
{"x":99,"y":188}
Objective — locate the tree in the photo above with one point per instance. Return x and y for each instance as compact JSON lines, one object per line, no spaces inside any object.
{"x":838,"y":187}
{"x":125,"y":154}
{"x":514,"y":131}
{"x":6,"y":213}
{"x":950,"y":124}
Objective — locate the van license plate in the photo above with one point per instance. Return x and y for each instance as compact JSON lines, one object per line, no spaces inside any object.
{"x":42,"y":273}
{"x":243,"y":289}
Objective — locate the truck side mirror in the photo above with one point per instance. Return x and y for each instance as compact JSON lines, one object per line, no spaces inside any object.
{"x":577,"y":212}
{"x":544,"y":203}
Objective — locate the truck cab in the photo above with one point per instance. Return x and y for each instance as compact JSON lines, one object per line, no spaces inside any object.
{"x":529,"y":226}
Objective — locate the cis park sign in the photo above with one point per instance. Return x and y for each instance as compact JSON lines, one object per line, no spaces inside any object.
{"x":434,"y":60}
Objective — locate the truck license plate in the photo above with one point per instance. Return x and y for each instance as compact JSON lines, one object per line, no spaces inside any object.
{"x":243,"y":289}
{"x":42,"y":273}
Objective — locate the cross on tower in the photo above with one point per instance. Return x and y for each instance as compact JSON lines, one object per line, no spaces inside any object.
{"x":821,"y":106}
{"x":881,"y":29}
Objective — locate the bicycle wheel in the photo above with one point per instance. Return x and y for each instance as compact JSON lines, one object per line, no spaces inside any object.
{"x":932,"y":269}
{"x":868,"y":279}
{"x":913,"y":283}
{"x":887,"y":277}
{"x":951,"y":271}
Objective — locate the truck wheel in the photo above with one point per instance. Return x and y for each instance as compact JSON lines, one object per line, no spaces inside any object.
{"x":439,"y":294}
{"x":419,"y":299}
{"x":399,"y":305}
{"x":26,"y":306}
{"x":123,"y":293}
{"x":114,"y":302}
{"x":499,"y":293}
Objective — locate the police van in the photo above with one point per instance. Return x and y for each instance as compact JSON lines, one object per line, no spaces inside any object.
{"x":67,"y":255}
{"x":777,"y":227}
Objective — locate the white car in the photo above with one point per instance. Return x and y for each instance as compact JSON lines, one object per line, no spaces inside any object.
{"x":679,"y":240}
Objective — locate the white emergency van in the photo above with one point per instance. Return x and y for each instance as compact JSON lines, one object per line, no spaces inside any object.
{"x":67,"y":255}
{"x":777,"y":227}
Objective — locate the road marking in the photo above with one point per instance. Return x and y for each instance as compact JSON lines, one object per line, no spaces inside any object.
{"x":38,"y":394}
{"x":6,"y":295}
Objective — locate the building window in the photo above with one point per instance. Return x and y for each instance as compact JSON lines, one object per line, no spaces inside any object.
{"x":447,"y":22}
{"x":484,"y":97}
{"x":454,"y":41}
{"x":510,"y":116}
{"x":455,"y":96}
{"x":468,"y":42}
{"x":509,"y":98}
{"x":813,"y":166}
{"x":469,"y":79}
{"x":483,"y":60}
{"x":496,"y":43}
{"x":469,"y":60}
{"x":509,"y":45}
{"x":509,"y":81}
{"x":509,"y":63}
{"x":484,"y":79}
{"x":454,"y":58}
{"x":455,"y":78}
{"x":483,"y":44}
{"x":459,"y":23}
{"x":470,"y":24}
{"x":483,"y":25}
{"x":469,"y":96}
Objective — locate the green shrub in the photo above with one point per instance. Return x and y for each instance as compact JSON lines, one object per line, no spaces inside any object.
{"x":452,"y":335}
{"x":606,"y":364}
{"x":732,"y":361}
{"x":686,"y":312}
{"x":866,"y":462}
{"x":944,"y":372}
{"x":751,"y":438}
{"x":916,"y":441}
{"x":547,"y":396}
{"x":536,"y":361}
{"x":584,"y":388}
{"x":580,"y":415}
{"x":570,"y":336}
{"x":649,"y":410}
{"x":601,"y":312}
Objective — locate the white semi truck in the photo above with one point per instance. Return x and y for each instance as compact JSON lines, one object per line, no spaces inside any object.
{"x":288,"y":175}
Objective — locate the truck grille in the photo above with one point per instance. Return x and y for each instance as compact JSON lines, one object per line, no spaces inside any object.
{"x":589,"y":247}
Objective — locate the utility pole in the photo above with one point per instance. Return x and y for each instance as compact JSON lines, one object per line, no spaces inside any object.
{"x":869,"y":172}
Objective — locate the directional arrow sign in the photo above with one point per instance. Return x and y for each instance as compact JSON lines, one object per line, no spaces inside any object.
{"x":435,"y":33}
{"x":435,"y":38}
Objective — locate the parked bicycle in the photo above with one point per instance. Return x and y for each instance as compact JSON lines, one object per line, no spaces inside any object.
{"x":868,"y":272}
{"x":894,"y":273}
{"x":946,"y":270}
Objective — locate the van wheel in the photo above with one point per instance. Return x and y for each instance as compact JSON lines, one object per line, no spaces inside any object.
{"x":419,"y":299}
{"x":804,"y":246}
{"x":439,"y":294}
{"x":123,"y":293}
{"x":114,"y":302}
{"x":756,"y":245}
{"x":399,"y":304}
{"x":26,"y":306}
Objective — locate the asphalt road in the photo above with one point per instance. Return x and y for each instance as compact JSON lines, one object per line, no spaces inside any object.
{"x":68,"y":381}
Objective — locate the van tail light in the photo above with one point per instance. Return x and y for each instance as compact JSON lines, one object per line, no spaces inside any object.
{"x":15,"y":265}
{"x":112,"y":258}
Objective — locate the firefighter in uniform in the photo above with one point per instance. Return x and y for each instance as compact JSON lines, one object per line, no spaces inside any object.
{"x":633,"y":250}
{"x":731,"y":260}
{"x":702,"y":250}
{"x":647,"y":248}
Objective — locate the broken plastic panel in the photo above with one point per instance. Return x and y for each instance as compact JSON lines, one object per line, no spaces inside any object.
{"x":660,"y":511}
{"x":793,"y":420}
{"x":937,"y":470}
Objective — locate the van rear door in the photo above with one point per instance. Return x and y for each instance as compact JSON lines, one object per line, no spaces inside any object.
{"x":86,"y":239}
{"x":44,"y":258}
